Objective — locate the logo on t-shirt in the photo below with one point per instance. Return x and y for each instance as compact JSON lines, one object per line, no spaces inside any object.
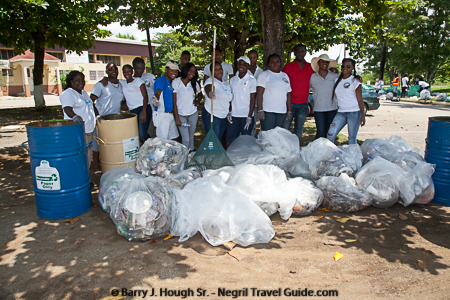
{"x":347,"y":85}
{"x":285,"y":80}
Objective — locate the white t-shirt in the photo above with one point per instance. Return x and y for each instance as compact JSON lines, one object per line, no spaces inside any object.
{"x":405,"y":81}
{"x":378,"y":85}
{"x":132,"y":93}
{"x":82,"y":105}
{"x":257,"y":72}
{"x":185,"y":97}
{"x":276,"y":85}
{"x":423,"y":84}
{"x":109,"y":97}
{"x":149,"y":81}
{"x":346,"y":94}
{"x":323,"y":91}
{"x":227,"y":70}
{"x":242,"y":88}
{"x":222,"y":100}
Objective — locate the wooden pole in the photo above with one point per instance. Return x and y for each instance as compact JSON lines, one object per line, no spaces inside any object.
{"x":212,"y":73}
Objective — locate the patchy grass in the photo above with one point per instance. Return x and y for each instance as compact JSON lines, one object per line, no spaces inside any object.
{"x":31,"y":114}
{"x":444,"y":88}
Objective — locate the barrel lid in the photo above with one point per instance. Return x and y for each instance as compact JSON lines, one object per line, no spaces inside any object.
{"x":441,"y":119}
{"x":51,"y":123}
{"x":120,"y":116}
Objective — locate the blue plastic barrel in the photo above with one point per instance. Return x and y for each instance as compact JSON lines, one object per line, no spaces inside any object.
{"x":58,"y":157}
{"x":438,"y":152}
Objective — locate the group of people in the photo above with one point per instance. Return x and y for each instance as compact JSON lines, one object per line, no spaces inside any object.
{"x":277,"y":97}
{"x":405,"y":83}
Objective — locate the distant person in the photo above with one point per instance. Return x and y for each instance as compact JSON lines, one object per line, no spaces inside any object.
{"x":299,"y":72}
{"x":226,"y":67}
{"x":322,"y":83}
{"x":187,"y":95}
{"x":348,"y":93}
{"x":166,"y":127}
{"x":395,"y":83}
{"x":377,"y":85}
{"x":185,"y":58}
{"x":273,"y":93}
{"x":221,"y":96}
{"x":423,"y":85}
{"x":255,"y":70}
{"x":405,"y":83}
{"x":108,"y":101}
{"x":240,"y":117}
{"x":149,"y":81}
{"x":78,"y":107}
{"x":136,"y":99}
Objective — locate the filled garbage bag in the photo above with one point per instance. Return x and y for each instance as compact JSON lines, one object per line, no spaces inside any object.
{"x":342,"y":194}
{"x":278,"y":147}
{"x":268,"y":187}
{"x":425,"y":95}
{"x":209,"y":206}
{"x":354,"y":151}
{"x":422,"y":185}
{"x":112,"y":182}
{"x":300,"y":169}
{"x":142,"y":209}
{"x":326,"y":159}
{"x":441,"y":97}
{"x":161,"y":157}
{"x":184,"y":177}
{"x":372,"y":148}
{"x":402,"y":146}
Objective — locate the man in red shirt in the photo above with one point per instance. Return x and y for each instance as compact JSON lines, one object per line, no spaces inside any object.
{"x":299,"y":72}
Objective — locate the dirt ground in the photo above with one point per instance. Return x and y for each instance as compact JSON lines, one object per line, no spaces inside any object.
{"x":54,"y":259}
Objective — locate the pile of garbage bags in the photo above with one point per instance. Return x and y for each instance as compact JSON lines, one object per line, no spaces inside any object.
{"x":271,"y":175}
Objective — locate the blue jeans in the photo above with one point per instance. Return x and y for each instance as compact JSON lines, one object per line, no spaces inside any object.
{"x":352,"y":119}
{"x":143,"y":127}
{"x":323,"y":121}
{"x":235,"y":129}
{"x":219,"y":124}
{"x":272,"y":120}
{"x":299,"y":113}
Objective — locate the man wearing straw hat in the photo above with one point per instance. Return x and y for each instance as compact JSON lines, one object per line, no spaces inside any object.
{"x":299,"y":72}
{"x":163,"y":115}
{"x":322,"y":83}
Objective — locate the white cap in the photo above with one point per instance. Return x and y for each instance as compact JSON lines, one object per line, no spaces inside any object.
{"x":172,"y":65}
{"x":244,"y":58}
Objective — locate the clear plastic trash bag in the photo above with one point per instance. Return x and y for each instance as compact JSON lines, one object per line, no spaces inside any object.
{"x":372,"y":148}
{"x":342,"y":194}
{"x":425,"y":95}
{"x":161,"y":157}
{"x":112,"y":181}
{"x":441,"y":97}
{"x":184,"y":177}
{"x":402,"y":146}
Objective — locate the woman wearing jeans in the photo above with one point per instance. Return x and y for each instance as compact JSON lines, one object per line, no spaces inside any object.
{"x":185,"y":105}
{"x":347,"y":90}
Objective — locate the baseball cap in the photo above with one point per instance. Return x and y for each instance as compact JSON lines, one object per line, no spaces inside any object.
{"x":172,"y":65}
{"x":244,"y":58}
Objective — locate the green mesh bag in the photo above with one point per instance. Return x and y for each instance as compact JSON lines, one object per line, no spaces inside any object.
{"x":210,"y":155}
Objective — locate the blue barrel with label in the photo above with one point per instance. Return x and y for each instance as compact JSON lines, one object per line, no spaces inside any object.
{"x":438,"y":152}
{"x":58,"y":158}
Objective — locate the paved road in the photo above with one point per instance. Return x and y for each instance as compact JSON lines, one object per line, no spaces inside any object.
{"x":11,"y":102}
{"x":406,"y":119}
{"x":409,"y":120}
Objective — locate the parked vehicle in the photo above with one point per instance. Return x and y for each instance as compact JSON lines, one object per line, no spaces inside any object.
{"x":370,"y":98}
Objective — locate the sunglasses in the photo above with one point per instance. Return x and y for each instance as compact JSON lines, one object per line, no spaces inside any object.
{"x":112,"y":68}
{"x":346,"y":66}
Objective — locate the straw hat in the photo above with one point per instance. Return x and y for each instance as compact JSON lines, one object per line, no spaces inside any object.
{"x":315,"y":60}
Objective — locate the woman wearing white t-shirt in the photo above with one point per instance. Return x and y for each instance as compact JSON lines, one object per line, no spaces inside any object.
{"x":273,"y":94}
{"x":222,"y":97}
{"x":185,"y":104}
{"x":348,"y":92}
{"x":136,"y":98}
{"x":77,"y":106}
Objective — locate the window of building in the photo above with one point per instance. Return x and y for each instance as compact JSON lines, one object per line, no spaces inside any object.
{"x":96,"y":75}
{"x":7,"y":54}
{"x":56,"y":54}
{"x":91,"y":58}
{"x":7,"y":72}
{"x":108,"y":58}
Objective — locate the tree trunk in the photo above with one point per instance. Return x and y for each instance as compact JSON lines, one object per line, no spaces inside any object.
{"x":239,"y":40}
{"x":38,"y":71}
{"x":150,"y":50}
{"x":273,"y":17}
{"x":382,"y":61}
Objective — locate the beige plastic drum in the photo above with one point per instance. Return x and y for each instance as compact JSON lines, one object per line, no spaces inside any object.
{"x":118,"y":140}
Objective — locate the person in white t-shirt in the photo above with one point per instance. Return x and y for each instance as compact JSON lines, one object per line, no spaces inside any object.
{"x":78,"y":107}
{"x":108,"y":100}
{"x":273,"y":94}
{"x":423,"y":85}
{"x":405,"y":83}
{"x":348,"y":92}
{"x":226,"y":67}
{"x":186,"y":97}
{"x":222,"y":97}
{"x":136,"y":99}
{"x":240,"y":117}
{"x":377,"y":85}
{"x":255,"y":70}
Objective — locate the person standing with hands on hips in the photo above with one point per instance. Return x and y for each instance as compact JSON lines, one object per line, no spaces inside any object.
{"x":78,"y":107}
{"x":273,"y":93}
{"x":163,"y":117}
{"x":240,"y":117}
{"x":348,"y":92}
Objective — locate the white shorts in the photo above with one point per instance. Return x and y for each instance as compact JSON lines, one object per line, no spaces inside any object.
{"x":165,"y":126}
